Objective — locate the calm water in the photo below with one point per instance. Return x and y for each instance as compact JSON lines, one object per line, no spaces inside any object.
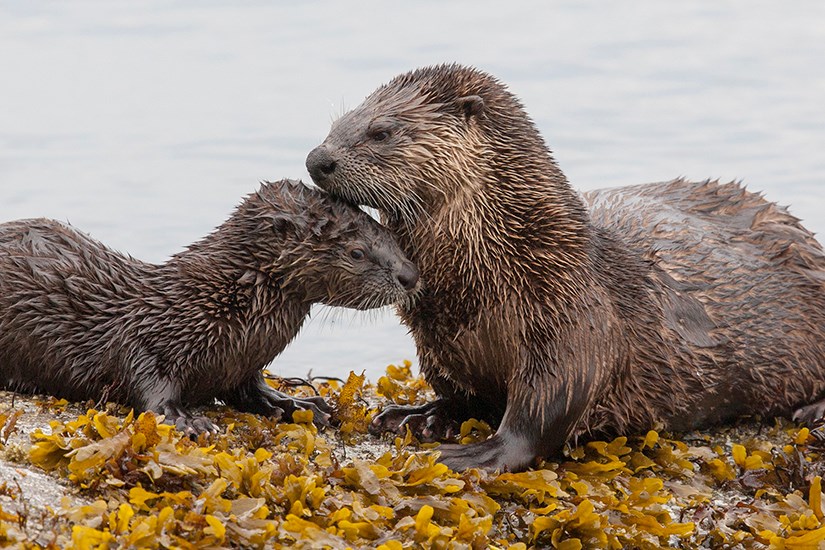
{"x":144,"y":125}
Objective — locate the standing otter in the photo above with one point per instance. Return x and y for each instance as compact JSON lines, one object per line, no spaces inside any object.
{"x":81,"y":321}
{"x":677,"y":304}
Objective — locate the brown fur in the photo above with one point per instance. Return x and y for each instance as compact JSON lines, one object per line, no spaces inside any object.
{"x":82,"y":321}
{"x":676,"y":304}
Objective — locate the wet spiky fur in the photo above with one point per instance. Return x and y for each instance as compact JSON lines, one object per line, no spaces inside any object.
{"x":82,"y":321}
{"x":677,"y":304}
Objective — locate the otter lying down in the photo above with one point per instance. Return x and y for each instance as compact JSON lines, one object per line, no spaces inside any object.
{"x":81,"y":321}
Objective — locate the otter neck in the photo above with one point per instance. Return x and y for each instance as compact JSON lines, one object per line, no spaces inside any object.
{"x":499,"y":222}
{"x":224,"y":275}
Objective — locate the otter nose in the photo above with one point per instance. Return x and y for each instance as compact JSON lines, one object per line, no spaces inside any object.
{"x":408,"y":276}
{"x":320,"y":163}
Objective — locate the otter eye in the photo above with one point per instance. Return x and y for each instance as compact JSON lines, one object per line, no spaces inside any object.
{"x":356,"y":254}
{"x":379,"y":135}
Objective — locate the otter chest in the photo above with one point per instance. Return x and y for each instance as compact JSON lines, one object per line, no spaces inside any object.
{"x":476,"y":357}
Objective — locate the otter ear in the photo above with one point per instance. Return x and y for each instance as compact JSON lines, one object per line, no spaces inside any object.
{"x":471,"y":106}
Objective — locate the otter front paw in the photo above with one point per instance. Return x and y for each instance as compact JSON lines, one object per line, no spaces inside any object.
{"x":321,"y":411}
{"x":186,"y":422}
{"x":497,"y":453}
{"x":258,"y":397}
{"x":428,"y":423}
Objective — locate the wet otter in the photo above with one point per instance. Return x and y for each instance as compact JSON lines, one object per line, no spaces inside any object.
{"x":81,"y":321}
{"x":678,"y":304}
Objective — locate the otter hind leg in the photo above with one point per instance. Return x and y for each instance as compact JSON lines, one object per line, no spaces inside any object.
{"x":256,"y":396}
{"x":433,"y":421}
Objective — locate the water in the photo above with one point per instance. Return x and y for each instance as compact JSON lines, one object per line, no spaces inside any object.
{"x":145,"y":123}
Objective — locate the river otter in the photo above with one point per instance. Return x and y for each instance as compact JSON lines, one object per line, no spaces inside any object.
{"x":81,"y":321}
{"x":676,"y":304}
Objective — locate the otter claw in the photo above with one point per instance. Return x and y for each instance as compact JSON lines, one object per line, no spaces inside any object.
{"x":319,"y":407}
{"x":416,"y":424}
{"x":810,"y":414}
{"x":195,"y":426}
{"x":319,"y":402}
{"x":428,"y":423}
{"x":436,"y":428}
{"x":187,"y":423}
{"x":499,"y":452}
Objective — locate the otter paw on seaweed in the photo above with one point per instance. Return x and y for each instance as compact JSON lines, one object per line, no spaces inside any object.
{"x":429,"y":422}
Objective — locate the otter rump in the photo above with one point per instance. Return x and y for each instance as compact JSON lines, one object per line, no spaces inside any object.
{"x":81,"y":321}
{"x":553,"y":314}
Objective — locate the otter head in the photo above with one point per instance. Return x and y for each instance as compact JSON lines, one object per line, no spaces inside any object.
{"x":428,"y":138}
{"x":333,"y":252}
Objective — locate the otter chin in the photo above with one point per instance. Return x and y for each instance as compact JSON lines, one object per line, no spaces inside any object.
{"x":558,"y":315}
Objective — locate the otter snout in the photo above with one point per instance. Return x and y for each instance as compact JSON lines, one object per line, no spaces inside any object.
{"x":320,"y":164}
{"x":408,"y":275}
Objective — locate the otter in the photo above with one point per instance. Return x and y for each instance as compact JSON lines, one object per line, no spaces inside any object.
{"x":555,"y":315}
{"x":81,"y":321}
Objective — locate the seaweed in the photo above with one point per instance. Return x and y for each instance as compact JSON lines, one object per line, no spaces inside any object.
{"x":263,"y":483}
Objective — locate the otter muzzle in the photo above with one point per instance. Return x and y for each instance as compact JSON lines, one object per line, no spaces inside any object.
{"x":408,"y":275}
{"x":320,"y":164}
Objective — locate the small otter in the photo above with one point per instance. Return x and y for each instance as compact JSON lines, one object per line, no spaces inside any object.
{"x":555,"y":315}
{"x":81,"y":321}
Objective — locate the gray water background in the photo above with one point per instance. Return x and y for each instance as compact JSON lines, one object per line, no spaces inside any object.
{"x":145,"y":123}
